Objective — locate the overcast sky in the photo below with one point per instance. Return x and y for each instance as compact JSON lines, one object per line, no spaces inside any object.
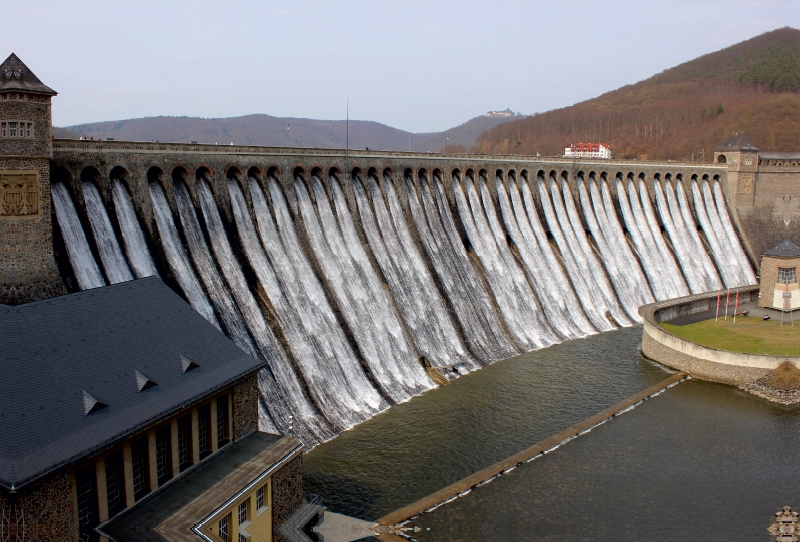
{"x":419,"y":65}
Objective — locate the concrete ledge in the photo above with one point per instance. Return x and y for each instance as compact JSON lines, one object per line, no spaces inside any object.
{"x":701,"y":361}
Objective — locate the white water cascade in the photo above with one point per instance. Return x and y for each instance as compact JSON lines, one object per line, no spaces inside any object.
{"x":702,"y":265}
{"x":574,"y":261}
{"x":114,"y":263}
{"x":324,"y":358}
{"x":475,"y":312}
{"x":733,"y":240}
{"x":726,"y":262}
{"x":229,"y":314}
{"x":370,"y":316}
{"x":680,"y":244}
{"x":604,"y":207}
{"x":648,"y":254}
{"x":408,"y":278}
{"x":178,"y":261}
{"x":518,"y":306}
{"x":84,"y":266}
{"x":667,"y":256}
{"x":577,"y":233}
{"x":340,"y":323}
{"x":622,"y":275}
{"x":132,"y":238}
{"x":555,"y":298}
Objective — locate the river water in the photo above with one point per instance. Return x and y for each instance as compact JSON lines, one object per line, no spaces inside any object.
{"x":701,"y":461}
{"x":443,"y":435}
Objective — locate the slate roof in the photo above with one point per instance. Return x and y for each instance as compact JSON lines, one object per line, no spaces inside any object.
{"x":15,"y":75}
{"x":737,"y":142}
{"x":55,"y":352}
{"x":785,"y":249}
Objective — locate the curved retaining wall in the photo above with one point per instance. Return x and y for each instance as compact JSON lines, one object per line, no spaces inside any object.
{"x":697,"y":360}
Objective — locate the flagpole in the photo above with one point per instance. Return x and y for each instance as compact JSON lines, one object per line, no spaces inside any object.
{"x":727,"y":302}
{"x":736,"y":309}
{"x":719,"y":293}
{"x":347,"y":140}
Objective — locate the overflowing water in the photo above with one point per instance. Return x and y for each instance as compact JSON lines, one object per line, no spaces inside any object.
{"x":341,"y":290}
{"x":176,"y":256}
{"x":132,"y":238}
{"x":114,"y":263}
{"x":408,"y":278}
{"x":624,"y":272}
{"x":84,"y":266}
{"x":513,"y":294}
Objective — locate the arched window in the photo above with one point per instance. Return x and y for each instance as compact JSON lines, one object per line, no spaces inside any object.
{"x":722,"y":159}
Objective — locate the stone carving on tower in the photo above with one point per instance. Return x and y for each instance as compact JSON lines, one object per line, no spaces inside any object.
{"x":20,"y":194}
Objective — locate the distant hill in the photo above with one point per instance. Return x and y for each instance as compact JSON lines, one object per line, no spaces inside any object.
{"x":282,"y":132}
{"x":751,"y":87}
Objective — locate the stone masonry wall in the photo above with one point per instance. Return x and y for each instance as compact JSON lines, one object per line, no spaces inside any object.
{"x":287,"y":494}
{"x":28,"y":271}
{"x":245,"y":406}
{"x":43,"y":512}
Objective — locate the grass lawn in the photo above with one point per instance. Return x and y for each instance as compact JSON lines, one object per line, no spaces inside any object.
{"x":751,"y":335}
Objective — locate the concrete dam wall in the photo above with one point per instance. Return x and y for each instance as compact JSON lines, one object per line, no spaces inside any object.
{"x":342,"y":282}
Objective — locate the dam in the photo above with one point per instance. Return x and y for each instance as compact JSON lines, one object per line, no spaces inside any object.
{"x":342,"y":281}
{"x":271,"y":299}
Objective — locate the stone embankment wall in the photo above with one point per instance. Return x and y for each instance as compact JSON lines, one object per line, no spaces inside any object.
{"x":697,"y":360}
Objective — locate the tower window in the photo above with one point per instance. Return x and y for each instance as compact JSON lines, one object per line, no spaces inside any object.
{"x":16,"y":129}
{"x":787,"y":275}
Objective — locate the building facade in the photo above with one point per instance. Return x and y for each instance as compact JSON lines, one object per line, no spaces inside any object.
{"x":127,"y":392}
{"x":779,"y":288}
{"x":588,"y":150}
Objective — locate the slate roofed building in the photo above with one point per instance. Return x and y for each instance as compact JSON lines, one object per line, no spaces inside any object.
{"x":779,"y":287}
{"x":110,"y":397}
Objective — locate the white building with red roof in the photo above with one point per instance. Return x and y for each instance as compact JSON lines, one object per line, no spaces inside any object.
{"x":588,"y":150}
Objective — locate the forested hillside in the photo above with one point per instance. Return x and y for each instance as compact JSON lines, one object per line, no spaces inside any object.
{"x":681,"y":113}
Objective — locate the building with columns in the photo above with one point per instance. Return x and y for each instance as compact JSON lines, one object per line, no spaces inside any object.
{"x":111,"y":398}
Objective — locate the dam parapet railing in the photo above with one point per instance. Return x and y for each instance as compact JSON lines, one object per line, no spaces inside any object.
{"x":728,"y":367}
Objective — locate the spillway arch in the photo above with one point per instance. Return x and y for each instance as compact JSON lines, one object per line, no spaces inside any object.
{"x":423,"y":264}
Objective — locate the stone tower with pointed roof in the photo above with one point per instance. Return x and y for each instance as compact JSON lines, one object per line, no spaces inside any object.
{"x":28,"y":270}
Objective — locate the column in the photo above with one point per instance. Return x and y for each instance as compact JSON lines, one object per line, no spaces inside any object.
{"x":102,"y":493}
{"x":195,"y":437}
{"x":173,"y":426}
{"x":152,"y":460}
{"x":214,"y":435}
{"x":127,"y":467}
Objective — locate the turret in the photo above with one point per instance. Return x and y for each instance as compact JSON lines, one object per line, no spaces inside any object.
{"x":28,"y":271}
